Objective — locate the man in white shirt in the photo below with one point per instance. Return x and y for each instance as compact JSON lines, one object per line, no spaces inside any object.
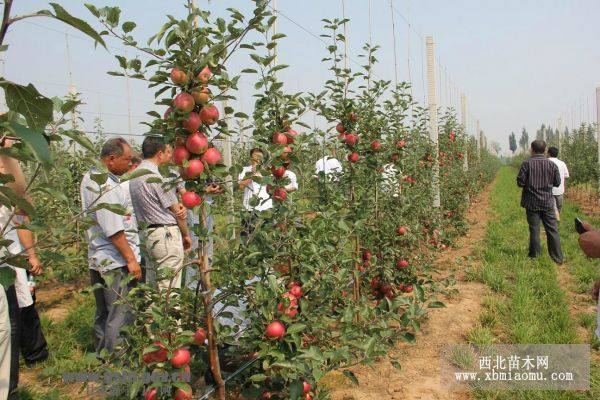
{"x":330,"y":166}
{"x":292,"y":186}
{"x":256,"y":198}
{"x":559,"y":191}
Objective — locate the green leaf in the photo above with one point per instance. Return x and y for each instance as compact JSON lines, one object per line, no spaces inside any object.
{"x":408,"y":337}
{"x":396,"y":364}
{"x":296,"y":390}
{"x":80,"y":138}
{"x":35,"y":141}
{"x":116,"y":208}
{"x":296,"y":328}
{"x":436,"y":304}
{"x":419,"y":292}
{"x":17,"y":201}
{"x":27,"y":101}
{"x":69,"y":106}
{"x":62,"y":15}
{"x":7,"y":277}
{"x":278,"y":36}
{"x":128,"y":26}
{"x":350,"y":375}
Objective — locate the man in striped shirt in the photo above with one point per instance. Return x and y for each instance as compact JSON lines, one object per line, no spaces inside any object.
{"x":537,"y":177}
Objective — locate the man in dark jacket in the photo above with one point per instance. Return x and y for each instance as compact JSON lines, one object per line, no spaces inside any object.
{"x":537,"y":177}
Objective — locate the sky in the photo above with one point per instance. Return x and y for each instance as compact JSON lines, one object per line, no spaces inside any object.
{"x":520,"y":63}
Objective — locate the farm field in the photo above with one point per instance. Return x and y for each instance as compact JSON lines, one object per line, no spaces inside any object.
{"x":499,"y":296}
{"x":266,"y":199}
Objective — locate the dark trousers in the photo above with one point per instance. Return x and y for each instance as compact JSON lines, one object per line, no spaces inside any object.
{"x":548,"y":218}
{"x":110,"y":317}
{"x":33,"y":343}
{"x":13,"y":312}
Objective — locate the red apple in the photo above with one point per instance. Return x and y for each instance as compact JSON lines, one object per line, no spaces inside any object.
{"x":340,"y":128}
{"x":194,"y":169}
{"x":184,"y":394}
{"x":178,"y":77}
{"x":293,"y":301}
{"x":402,"y":264}
{"x":180,"y":154}
{"x":204,"y":75}
{"x":209,"y":114}
{"x":353,"y":117}
{"x":306,"y":387}
{"x":402,"y":230}
{"x":191,"y":199}
{"x":159,"y":355}
{"x":376,"y":145}
{"x":212,"y":156}
{"x":291,"y":312}
{"x":278,"y":172}
{"x":291,"y":131}
{"x":285,"y":153}
{"x":452,"y":136}
{"x":351,"y":139}
{"x":151,"y":394}
{"x":275,"y":330}
{"x":199,"y":337}
{"x":280,"y":194}
{"x":180,"y":358}
{"x":353,"y":157}
{"x":184,"y":102}
{"x":400,"y":143}
{"x":192,"y":123}
{"x":395,"y":157}
{"x":196,"y":143}
{"x":280,"y":139}
{"x":408,"y":289}
{"x":201,"y":95}
{"x":296,"y":291}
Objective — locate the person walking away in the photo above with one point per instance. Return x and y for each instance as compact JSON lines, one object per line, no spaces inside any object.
{"x":559,"y":191}
{"x":112,"y":257}
{"x":537,"y":176}
{"x":161,"y":217}
{"x":256,"y":199}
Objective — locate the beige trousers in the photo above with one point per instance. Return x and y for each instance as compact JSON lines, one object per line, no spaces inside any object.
{"x":4,"y":345}
{"x":164,"y":249}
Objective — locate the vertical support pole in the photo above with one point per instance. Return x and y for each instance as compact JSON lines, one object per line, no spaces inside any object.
{"x":598,"y":125}
{"x":478,"y":137}
{"x":559,"y":132}
{"x":433,"y":120}
{"x":128,"y":100}
{"x":345,"y":48}
{"x":463,"y":114}
{"x":394,"y":41}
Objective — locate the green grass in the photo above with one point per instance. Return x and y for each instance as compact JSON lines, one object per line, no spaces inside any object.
{"x":71,"y":344}
{"x":527,"y":303}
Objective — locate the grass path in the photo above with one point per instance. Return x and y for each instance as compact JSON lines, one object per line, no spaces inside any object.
{"x":533,"y":301}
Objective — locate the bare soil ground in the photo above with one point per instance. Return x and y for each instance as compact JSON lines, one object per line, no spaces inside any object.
{"x":419,"y":377}
{"x":585,"y":198}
